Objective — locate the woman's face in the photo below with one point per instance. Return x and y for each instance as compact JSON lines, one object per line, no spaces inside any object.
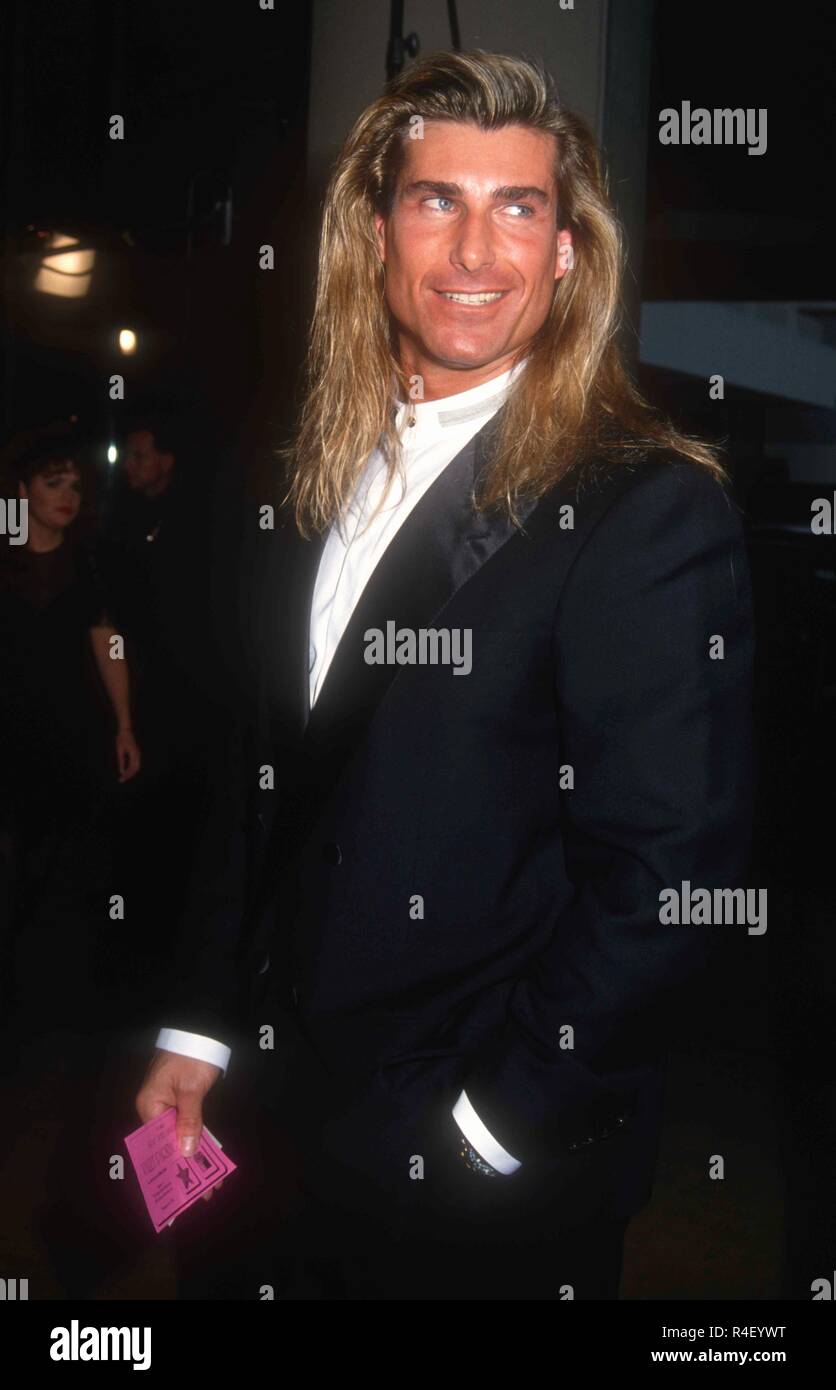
{"x":54,"y":497}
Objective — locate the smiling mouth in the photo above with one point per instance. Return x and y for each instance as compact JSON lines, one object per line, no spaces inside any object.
{"x":481,"y":297}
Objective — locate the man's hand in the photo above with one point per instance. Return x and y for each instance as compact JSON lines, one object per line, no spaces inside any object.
{"x":172,"y":1079}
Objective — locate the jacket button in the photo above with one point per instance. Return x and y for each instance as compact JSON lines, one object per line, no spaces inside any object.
{"x":612,"y":1126}
{"x":331,"y":853}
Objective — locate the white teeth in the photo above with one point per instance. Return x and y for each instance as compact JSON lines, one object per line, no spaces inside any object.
{"x":474,"y":298}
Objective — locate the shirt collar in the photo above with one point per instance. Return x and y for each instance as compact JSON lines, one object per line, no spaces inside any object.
{"x":459,"y":409}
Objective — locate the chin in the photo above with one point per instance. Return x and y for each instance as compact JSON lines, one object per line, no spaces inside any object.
{"x":465,"y":355}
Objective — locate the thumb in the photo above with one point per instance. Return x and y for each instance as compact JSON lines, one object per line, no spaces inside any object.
{"x":189,"y":1123}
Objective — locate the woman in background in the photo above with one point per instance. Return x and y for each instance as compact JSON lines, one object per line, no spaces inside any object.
{"x":65,"y":736}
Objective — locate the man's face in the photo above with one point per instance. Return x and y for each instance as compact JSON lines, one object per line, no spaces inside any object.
{"x":473,"y":211}
{"x":146,"y":469}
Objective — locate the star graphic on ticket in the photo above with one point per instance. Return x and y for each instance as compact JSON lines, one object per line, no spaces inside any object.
{"x":170,"y":1181}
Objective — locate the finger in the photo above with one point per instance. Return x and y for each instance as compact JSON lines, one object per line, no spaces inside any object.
{"x":189,"y":1123}
{"x":149,"y":1103}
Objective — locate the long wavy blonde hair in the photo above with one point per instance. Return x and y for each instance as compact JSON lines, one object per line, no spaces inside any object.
{"x":573,"y":400}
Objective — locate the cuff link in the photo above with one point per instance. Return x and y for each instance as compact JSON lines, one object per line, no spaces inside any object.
{"x":475,"y":1161}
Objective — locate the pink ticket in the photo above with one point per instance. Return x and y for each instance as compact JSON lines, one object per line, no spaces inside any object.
{"x":171,"y":1183}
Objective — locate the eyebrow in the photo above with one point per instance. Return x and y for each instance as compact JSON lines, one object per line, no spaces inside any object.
{"x":514,"y":193}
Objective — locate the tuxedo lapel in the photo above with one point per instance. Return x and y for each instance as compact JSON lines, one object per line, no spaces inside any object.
{"x":285,"y":630}
{"x":440,"y":546}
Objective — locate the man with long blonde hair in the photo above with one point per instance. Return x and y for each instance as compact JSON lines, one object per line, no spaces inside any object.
{"x":506,"y":640}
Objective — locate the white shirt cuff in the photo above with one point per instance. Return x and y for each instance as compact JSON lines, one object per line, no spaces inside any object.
{"x":481,"y":1138}
{"x":195,"y":1045}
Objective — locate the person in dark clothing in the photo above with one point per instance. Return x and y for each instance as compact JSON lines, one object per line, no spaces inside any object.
{"x":434,"y":942}
{"x":66,"y":734}
{"x":159,"y":542}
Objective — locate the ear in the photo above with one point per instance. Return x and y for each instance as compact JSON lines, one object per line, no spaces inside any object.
{"x":565,"y":256}
{"x":380,"y":235}
{"x":21,"y":490}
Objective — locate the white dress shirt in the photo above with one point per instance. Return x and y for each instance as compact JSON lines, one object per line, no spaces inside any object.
{"x":432,"y":433}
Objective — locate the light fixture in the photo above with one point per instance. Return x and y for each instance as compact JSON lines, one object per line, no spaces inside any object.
{"x":64,"y":271}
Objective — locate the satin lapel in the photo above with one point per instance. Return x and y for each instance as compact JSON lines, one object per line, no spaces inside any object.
{"x":441,"y":545}
{"x":285,"y":629}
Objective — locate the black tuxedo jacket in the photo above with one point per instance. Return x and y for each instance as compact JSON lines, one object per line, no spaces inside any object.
{"x":456,"y":878}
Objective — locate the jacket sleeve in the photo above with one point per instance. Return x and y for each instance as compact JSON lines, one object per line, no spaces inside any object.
{"x":226,"y":880}
{"x":202,"y":995}
{"x":653,"y":651}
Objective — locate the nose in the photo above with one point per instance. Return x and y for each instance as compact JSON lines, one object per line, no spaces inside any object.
{"x":473,"y":247}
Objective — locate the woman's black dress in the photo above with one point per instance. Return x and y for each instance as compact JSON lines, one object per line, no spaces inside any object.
{"x":57,"y":755}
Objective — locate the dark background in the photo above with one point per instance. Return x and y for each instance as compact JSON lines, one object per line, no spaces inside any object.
{"x":739,"y":248}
